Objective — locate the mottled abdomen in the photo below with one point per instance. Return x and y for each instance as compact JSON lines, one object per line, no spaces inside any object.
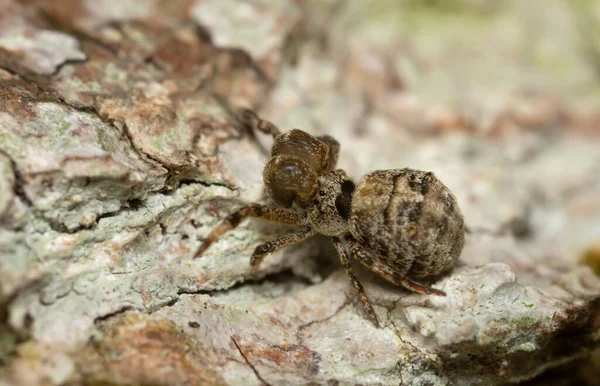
{"x":407,"y":220}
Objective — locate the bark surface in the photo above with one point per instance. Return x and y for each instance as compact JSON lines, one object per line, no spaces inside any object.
{"x":116,"y":160}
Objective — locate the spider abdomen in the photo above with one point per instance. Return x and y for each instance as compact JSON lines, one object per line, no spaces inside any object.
{"x":408,"y":220}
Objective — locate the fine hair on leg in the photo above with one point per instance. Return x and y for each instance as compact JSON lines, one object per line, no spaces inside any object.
{"x":359,"y":253}
{"x":248,"y":118}
{"x":360,"y":291}
{"x":271,"y":213}
{"x":334,"y":148}
{"x":269,"y":247}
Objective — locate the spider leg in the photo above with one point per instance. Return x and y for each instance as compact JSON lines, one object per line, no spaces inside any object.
{"x":266,"y":212}
{"x":334,"y":149}
{"x":355,"y":283}
{"x":248,"y":118}
{"x":363,"y":256}
{"x":271,"y":246}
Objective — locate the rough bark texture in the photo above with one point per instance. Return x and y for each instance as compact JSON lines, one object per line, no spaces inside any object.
{"x":116,"y":160}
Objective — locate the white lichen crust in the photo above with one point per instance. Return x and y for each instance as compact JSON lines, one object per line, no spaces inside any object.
{"x":117,"y":159}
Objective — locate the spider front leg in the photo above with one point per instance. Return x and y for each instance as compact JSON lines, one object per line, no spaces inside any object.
{"x":248,"y":118}
{"x":362,"y":255}
{"x":360,"y":291}
{"x":272,"y":213}
{"x":272,"y":246}
{"x":334,"y":149}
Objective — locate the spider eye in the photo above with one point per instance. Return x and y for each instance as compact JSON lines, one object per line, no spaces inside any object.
{"x":321,"y":193}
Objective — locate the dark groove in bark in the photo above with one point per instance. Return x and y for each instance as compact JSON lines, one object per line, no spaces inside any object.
{"x":260,"y":378}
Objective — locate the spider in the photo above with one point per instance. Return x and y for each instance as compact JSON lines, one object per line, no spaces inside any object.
{"x":402,"y":224}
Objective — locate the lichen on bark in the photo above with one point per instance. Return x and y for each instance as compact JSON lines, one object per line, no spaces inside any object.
{"x":117,"y":159}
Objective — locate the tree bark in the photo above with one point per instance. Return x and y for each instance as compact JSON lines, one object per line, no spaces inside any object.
{"x":117,"y":157}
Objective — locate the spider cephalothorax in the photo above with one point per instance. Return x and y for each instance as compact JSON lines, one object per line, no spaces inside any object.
{"x":403,"y":224}
{"x":297,"y":160}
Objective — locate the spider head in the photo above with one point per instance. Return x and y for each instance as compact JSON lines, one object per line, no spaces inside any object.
{"x":330,"y":208}
{"x":297,"y":160}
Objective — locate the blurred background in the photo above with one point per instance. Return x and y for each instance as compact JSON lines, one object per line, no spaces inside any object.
{"x":501,"y":99}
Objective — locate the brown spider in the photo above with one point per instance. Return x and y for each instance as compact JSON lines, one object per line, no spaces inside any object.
{"x":401,"y":224}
